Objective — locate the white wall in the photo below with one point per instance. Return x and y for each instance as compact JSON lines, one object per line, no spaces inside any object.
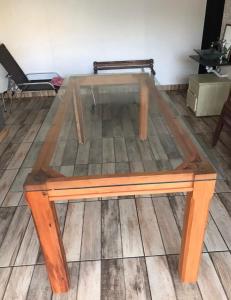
{"x":68,"y":35}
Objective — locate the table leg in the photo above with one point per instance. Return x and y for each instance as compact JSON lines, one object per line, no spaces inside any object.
{"x":195,"y":221}
{"x":47,"y":226}
{"x":144,"y":102}
{"x":78,"y":115}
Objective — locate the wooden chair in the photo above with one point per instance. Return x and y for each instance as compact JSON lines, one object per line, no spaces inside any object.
{"x":124,"y":64}
{"x":225,"y":119}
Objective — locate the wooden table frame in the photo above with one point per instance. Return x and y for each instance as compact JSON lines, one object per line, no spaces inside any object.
{"x":44,"y":186}
{"x":94,"y":82}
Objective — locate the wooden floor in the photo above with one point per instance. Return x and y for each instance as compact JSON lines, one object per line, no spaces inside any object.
{"x":124,"y":248}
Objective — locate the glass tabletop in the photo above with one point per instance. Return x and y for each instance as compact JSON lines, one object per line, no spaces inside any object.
{"x":115,"y":126}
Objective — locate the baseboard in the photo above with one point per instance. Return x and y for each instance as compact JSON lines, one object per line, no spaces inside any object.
{"x":173,"y":87}
{"x":32,"y":94}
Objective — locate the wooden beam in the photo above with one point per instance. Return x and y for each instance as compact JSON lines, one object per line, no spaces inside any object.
{"x":48,"y":147}
{"x":112,"y":180}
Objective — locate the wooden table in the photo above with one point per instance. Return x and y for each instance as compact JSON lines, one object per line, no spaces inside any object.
{"x":117,"y":121}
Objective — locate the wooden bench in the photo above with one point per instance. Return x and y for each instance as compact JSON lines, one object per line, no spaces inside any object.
{"x":123,"y":64}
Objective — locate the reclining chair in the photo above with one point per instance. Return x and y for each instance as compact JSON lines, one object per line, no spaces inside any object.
{"x":24,"y":82}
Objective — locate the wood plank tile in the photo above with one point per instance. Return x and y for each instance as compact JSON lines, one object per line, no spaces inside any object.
{"x":89,"y":280}
{"x":12,"y":131}
{"x":225,"y":199}
{"x":108,"y":124}
{"x":111,"y":234}
{"x":7,"y":155}
{"x":208,"y":281}
{"x":4,"y":277}
{"x":31,"y":115}
{"x":19,"y":180}
{"x":177,"y":203}
{"x":91,"y":238}
{"x":108,"y":150}
{"x":170,"y":146}
{"x":127,"y":125}
{"x":117,"y":127}
{"x":122,"y":167}
{"x":183,"y":291}
{"x":112,"y":280}
{"x":213,"y":238}
{"x":29,"y":248}
{"x":168,"y":228}
{"x":120,"y":150}
{"x":5,"y":182}
{"x":131,"y":239}
{"x":6,"y":215}
{"x":73,"y":269}
{"x":145,"y":150}
{"x":150,"y":232}
{"x":19,"y":156}
{"x":159,"y":125}
{"x":81,"y":170}
{"x":13,"y":117}
{"x":222,"y":219}
{"x":19,"y":282}
{"x":95,"y":154}
{"x":12,"y":199}
{"x":163,"y":165}
{"x":67,"y":170}
{"x":222,"y":263}
{"x":40,"y":287}
{"x":160,"y":280}
{"x":136,"y":280}
{"x":61,"y":213}
{"x":20,"y":134}
{"x":222,"y":187}
{"x":108,"y":168}
{"x":136,"y":166}
{"x":72,"y":234}
{"x":57,"y":158}
{"x":83,"y":153}
{"x":132,"y":149}
{"x":150,"y":166}
{"x":70,"y":153}
{"x":14,"y":236}
{"x":94,"y":169}
{"x":32,"y":155}
{"x":31,"y":134}
{"x":66,"y":129}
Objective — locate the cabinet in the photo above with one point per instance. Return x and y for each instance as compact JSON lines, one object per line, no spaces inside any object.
{"x":207,"y":94}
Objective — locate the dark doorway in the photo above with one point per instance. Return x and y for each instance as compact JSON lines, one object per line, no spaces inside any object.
{"x":212,"y":24}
